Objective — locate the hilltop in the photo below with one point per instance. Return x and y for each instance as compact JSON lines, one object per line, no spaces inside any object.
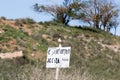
{"x":93,"y":50}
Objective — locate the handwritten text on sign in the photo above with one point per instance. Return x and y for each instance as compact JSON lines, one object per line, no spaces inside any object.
{"x":58,"y":57}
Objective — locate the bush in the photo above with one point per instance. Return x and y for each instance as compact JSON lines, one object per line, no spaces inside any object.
{"x":24,"y":21}
{"x":29,"y":21}
{"x":3,"y":18}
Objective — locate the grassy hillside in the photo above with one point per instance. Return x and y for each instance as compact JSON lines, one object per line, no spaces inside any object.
{"x":95,"y":54}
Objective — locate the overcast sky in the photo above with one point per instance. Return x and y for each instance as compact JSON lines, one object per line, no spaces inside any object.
{"x":12,"y":9}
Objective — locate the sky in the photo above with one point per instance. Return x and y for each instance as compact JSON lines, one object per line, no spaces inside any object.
{"x":13,"y":9}
{"x":23,"y":9}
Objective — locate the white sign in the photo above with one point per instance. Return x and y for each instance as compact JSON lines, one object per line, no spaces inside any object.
{"x":58,"y":57}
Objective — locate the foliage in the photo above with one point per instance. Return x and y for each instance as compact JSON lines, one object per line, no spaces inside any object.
{"x":20,"y":22}
{"x":93,"y":54}
{"x":3,"y":18}
{"x":62,"y":14}
{"x":37,"y":72}
{"x":101,"y":13}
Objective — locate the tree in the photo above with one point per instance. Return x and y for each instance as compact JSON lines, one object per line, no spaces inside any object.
{"x":109,"y":19}
{"x":62,"y":13}
{"x":101,"y":14}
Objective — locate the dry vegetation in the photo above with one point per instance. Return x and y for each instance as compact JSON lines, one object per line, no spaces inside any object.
{"x":95,"y":53}
{"x":49,"y":74}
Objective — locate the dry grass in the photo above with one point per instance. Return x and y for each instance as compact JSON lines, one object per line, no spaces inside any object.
{"x":35,"y":73}
{"x":92,"y":49}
